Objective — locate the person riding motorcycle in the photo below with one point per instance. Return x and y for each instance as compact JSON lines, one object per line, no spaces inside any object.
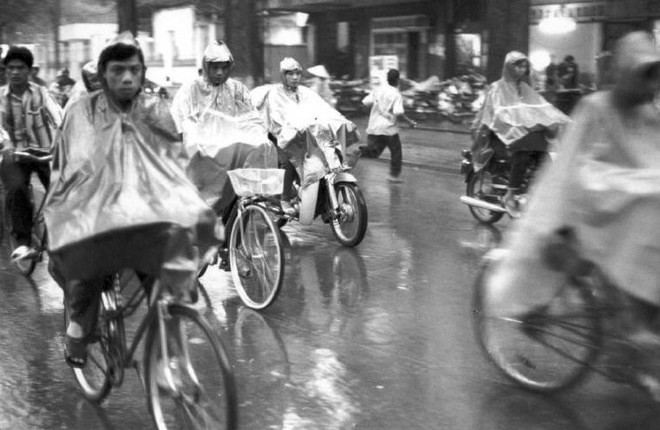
{"x":517,"y":120}
{"x":604,"y":186}
{"x":290,"y":110}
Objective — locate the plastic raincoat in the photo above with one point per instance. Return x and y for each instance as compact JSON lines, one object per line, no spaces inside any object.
{"x":605,"y":184}
{"x":305,"y":126}
{"x":512,"y":110}
{"x":117,"y":191}
{"x":221,"y":131}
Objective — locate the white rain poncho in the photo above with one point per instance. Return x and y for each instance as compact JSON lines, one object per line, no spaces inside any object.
{"x":221,"y":130}
{"x":305,"y":126}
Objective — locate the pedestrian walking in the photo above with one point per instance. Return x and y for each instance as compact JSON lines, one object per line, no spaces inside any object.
{"x":386,"y":105}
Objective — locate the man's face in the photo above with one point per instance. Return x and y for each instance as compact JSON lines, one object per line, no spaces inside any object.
{"x":292,"y":78}
{"x":520,"y":69}
{"x":218,"y":72}
{"x":17,"y":72}
{"x":124,"y":78}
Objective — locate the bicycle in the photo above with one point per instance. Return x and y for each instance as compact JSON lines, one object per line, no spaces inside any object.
{"x":184,"y":360}
{"x":255,"y":247}
{"x":553,"y":345}
{"x":27,"y":264}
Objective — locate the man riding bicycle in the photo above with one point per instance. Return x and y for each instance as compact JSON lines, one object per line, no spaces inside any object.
{"x":221,"y":129}
{"x":120,"y":198}
{"x":604,"y":187}
{"x":30,"y":116}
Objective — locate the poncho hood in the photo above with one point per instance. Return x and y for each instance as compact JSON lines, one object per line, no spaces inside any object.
{"x":508,"y":71}
{"x":513,"y":108}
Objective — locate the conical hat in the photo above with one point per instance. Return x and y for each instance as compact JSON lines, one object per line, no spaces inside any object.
{"x":217,"y":52}
{"x":319,"y":71}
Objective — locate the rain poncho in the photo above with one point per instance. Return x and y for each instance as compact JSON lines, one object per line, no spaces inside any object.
{"x":305,"y":126}
{"x":118,"y":189}
{"x":512,"y":110}
{"x":221,"y":130}
{"x":605,"y":184}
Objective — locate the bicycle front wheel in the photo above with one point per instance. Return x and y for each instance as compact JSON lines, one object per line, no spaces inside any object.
{"x":546,"y":348}
{"x":256,"y":257}
{"x":191,"y":385}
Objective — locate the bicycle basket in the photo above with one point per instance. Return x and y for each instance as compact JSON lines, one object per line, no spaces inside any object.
{"x":252,"y":182}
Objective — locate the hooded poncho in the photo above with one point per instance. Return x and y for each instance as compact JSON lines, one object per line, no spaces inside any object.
{"x":221,"y":131}
{"x":305,"y":126}
{"x":605,"y":184}
{"x":119,"y":197}
{"x":512,"y":108}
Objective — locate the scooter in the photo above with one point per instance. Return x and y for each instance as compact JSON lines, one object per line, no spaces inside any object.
{"x":335,"y":195}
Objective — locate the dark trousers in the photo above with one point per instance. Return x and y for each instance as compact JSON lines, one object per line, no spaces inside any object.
{"x":520,"y":160}
{"x":19,"y":205}
{"x":376,"y":144}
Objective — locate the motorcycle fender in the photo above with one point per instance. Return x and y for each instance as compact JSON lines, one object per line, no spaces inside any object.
{"x":467,"y":169}
{"x":344,"y":177}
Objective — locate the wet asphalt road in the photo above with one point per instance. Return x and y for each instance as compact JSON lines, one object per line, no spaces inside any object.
{"x":377,"y":337}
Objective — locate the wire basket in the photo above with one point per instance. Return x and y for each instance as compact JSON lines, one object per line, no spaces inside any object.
{"x":253,"y":182}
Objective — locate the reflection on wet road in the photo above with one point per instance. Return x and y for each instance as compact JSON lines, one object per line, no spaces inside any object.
{"x":377,"y":337}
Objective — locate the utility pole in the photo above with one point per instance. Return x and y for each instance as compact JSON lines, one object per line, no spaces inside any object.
{"x":127,"y":16}
{"x":242,"y":33}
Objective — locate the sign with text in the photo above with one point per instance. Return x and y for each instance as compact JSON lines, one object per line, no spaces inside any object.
{"x":378,"y":67}
{"x":580,"y":12}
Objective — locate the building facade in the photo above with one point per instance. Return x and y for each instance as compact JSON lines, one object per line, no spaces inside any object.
{"x":594,"y":27}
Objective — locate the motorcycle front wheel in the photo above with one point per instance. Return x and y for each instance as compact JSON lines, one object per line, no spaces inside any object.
{"x":350,"y":226}
{"x":480,"y":186}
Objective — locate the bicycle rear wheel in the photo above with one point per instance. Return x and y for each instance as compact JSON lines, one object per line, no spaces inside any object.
{"x":96,"y":378}
{"x":201,"y":393}
{"x":256,"y":257}
{"x":547,"y":348}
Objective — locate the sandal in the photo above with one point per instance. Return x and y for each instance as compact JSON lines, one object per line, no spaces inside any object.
{"x":75,"y":351}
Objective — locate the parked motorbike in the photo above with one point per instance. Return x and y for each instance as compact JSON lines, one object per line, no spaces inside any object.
{"x":332,"y":193}
{"x":486,"y":187}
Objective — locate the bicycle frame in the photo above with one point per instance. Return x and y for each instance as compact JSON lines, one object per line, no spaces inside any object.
{"x":157,"y":310}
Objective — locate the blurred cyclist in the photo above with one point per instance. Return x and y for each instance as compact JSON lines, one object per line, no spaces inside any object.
{"x":605,"y":186}
{"x":31,"y":117}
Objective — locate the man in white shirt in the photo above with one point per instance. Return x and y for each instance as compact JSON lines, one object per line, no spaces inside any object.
{"x":386,"y":108}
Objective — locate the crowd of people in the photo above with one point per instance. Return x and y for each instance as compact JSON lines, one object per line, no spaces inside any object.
{"x":129,"y":174}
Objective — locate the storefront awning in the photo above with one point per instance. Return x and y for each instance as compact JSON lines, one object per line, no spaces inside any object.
{"x":315,"y":6}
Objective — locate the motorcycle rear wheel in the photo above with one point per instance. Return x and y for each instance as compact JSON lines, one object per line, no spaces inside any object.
{"x":480,"y":186}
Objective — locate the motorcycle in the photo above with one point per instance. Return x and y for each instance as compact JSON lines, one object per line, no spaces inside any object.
{"x":487,"y":186}
{"x":328,"y":189}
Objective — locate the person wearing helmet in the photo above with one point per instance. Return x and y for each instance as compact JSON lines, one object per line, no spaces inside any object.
{"x":214,"y":89}
{"x":221,"y":129}
{"x":120,"y":198}
{"x":62,"y":86}
{"x":88,"y":84}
